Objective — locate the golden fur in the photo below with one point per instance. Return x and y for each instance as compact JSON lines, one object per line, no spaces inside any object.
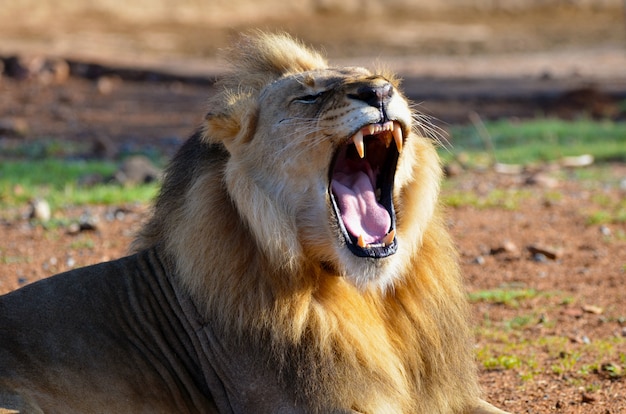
{"x":245,"y":214}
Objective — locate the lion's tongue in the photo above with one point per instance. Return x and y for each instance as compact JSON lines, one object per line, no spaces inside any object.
{"x":360,"y":212}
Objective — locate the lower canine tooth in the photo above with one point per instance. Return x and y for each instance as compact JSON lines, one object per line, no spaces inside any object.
{"x":388,"y":239}
{"x":361,"y":241}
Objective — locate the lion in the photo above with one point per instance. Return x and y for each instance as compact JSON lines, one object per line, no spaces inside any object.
{"x":295,"y":261}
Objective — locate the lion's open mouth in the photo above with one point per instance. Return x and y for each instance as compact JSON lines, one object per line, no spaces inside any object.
{"x":361,"y":186}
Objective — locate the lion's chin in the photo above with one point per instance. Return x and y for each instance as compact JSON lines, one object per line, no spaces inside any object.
{"x":368,"y":273}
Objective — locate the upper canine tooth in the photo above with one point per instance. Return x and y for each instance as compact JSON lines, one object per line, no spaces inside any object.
{"x":397,"y":136}
{"x":358,"y":143}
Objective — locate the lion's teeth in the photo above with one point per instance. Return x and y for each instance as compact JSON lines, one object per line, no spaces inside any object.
{"x":361,"y":241}
{"x":388,"y":239}
{"x":358,"y":143}
{"x":397,"y":136}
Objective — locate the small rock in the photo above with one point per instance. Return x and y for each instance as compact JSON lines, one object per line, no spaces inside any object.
{"x":549,"y":253}
{"x":506,"y":247}
{"x":106,"y":84}
{"x":117,"y":213}
{"x":23,"y":67}
{"x":45,"y":70}
{"x":137,"y":170}
{"x":587,"y":398}
{"x":580,"y":339}
{"x":542,"y":180}
{"x":596,"y":310}
{"x":605,"y":231}
{"x":40,"y":210}
{"x":453,"y":169}
{"x":508,"y":169}
{"x":584,"y":160}
{"x":479,"y":260}
{"x":56,"y":70}
{"x":573,"y":312}
{"x":88,"y":222}
{"x":73,"y":228}
{"x":70,"y":262}
{"x":14,"y":127}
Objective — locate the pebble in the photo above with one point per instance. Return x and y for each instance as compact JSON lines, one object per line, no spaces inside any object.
{"x":506,"y":247}
{"x":40,"y":210}
{"x":88,"y":221}
{"x":106,"y":84}
{"x":45,"y":70}
{"x":596,"y":310}
{"x":14,"y":127}
{"x":542,"y":180}
{"x":587,"y":398}
{"x":137,"y":169}
{"x":547,"y":253}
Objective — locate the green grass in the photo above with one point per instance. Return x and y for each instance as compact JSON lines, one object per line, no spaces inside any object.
{"x":508,"y":199}
{"x":508,"y":297}
{"x":540,"y":140}
{"x":57,"y":182}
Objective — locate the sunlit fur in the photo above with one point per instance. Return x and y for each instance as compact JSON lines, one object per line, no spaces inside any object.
{"x":244,"y":212}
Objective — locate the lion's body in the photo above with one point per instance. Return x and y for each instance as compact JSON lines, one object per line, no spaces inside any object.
{"x":248,"y":294}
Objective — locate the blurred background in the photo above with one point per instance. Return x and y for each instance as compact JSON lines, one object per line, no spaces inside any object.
{"x":450,"y":52}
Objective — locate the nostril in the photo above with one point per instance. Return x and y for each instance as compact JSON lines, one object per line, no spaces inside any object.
{"x":373,"y":95}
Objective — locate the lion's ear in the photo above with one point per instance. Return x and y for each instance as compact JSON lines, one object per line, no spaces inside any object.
{"x":233,"y":123}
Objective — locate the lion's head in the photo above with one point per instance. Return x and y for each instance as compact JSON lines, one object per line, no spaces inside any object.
{"x":322,"y":159}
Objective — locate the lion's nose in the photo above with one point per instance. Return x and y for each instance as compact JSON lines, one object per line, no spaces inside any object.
{"x":373,"y":95}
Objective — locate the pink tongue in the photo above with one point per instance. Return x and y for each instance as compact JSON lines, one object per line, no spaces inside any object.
{"x":360,"y":212}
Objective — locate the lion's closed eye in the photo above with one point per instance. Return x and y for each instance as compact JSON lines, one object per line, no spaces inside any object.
{"x":309,"y":99}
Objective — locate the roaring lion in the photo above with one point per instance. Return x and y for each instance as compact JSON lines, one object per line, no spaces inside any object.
{"x":295,"y":262}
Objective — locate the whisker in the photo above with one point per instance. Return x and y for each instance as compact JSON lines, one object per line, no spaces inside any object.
{"x":426,"y":125}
